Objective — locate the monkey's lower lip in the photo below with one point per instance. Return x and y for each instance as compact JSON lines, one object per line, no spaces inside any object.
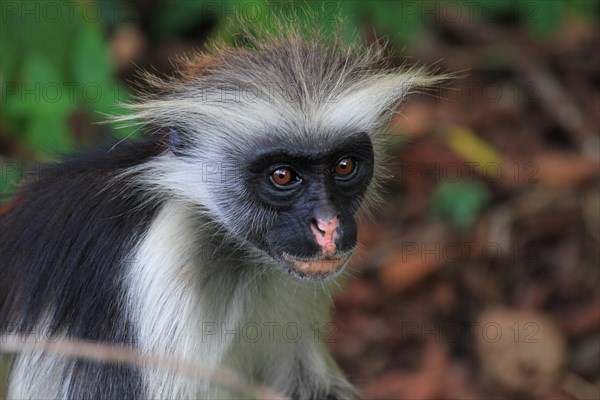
{"x":316,"y":267}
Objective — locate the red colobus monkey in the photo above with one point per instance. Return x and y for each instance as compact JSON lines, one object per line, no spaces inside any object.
{"x":238,"y":210}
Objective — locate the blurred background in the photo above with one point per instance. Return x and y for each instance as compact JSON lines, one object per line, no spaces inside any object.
{"x":479,"y":276}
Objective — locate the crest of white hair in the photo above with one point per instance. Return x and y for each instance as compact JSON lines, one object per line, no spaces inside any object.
{"x":296,"y":74}
{"x":364,"y":104}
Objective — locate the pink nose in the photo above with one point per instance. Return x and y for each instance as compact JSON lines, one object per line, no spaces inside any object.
{"x":325,"y":232}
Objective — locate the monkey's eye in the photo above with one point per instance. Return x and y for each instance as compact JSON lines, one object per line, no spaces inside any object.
{"x":345,"y":167}
{"x":283,"y":176}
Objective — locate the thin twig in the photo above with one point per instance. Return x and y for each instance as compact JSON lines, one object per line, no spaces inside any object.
{"x":109,"y":353}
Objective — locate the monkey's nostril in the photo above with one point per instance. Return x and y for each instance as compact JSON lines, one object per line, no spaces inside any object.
{"x":325,"y":227}
{"x":325,"y":233}
{"x":315,"y":224}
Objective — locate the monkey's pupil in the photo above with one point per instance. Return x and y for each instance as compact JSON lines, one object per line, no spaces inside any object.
{"x":344,"y":167}
{"x":282,"y":176}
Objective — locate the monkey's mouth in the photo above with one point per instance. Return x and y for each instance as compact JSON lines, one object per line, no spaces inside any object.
{"x":317,"y":267}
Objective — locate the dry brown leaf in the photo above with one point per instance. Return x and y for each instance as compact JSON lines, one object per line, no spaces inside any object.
{"x":561,"y":169}
{"x":519,"y":350}
{"x":401,"y":271}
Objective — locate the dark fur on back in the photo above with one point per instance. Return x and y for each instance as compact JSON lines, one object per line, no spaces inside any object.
{"x":59,"y":264}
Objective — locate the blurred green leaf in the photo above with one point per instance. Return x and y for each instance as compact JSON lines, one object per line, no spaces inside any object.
{"x":542,"y":17}
{"x":43,"y":103}
{"x":10,"y":177}
{"x":179,"y":15}
{"x":585,"y":8}
{"x":41,"y":89}
{"x":92,"y":70}
{"x":25,"y":34}
{"x":402,"y":22}
{"x":90,"y":59}
{"x":94,"y":76}
{"x":49,"y":134}
{"x":460,"y":203}
{"x":8,"y":64}
{"x":50,"y":69}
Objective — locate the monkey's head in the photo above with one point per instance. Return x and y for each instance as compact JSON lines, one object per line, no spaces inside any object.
{"x":278,"y":142}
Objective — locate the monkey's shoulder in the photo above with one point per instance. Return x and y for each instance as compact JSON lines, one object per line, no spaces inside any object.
{"x":83,"y":181}
{"x":64,"y":244}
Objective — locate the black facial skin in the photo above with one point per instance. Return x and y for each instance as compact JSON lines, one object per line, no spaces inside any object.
{"x":314,"y":192}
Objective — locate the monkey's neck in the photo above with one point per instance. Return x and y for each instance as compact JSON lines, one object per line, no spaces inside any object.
{"x":195,"y":299}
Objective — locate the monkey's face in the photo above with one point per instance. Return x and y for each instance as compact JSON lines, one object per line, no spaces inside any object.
{"x":311,"y":196}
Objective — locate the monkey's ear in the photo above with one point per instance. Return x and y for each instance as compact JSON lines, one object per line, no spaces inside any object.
{"x":175,"y":142}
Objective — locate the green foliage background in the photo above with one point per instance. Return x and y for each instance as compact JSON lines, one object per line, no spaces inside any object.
{"x":53,"y":65}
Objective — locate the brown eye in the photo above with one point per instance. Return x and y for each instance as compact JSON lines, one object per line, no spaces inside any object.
{"x":344,"y":167}
{"x":282,"y":176}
